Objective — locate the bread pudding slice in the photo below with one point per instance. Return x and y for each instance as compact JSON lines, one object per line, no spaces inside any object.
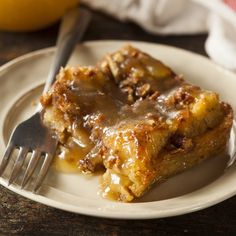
{"x":134,"y":117}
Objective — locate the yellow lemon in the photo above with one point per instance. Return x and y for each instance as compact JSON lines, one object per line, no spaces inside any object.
{"x":29,"y":15}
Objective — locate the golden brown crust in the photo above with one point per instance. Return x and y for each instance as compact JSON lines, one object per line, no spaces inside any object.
{"x":140,"y":121}
{"x":142,"y":169}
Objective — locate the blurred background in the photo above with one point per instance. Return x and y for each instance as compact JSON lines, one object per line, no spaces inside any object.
{"x":206,"y":27}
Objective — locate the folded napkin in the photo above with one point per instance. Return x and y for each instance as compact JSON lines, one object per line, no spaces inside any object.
{"x":217,"y":17}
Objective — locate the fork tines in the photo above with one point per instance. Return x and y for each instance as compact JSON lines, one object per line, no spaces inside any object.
{"x":32,"y":139}
{"x":35,"y":158}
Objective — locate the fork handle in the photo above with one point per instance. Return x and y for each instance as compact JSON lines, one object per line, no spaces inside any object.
{"x":72,"y":29}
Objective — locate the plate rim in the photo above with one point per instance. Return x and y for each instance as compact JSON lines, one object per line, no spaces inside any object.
{"x":76,"y":209}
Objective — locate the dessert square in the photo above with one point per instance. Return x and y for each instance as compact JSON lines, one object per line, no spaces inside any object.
{"x":134,"y":118}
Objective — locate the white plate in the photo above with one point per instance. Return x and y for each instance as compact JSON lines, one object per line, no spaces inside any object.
{"x":198,"y":188}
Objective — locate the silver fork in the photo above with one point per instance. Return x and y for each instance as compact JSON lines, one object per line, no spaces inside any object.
{"x":31,"y":136}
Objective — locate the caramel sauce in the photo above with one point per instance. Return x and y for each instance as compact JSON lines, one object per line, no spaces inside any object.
{"x":101,"y":104}
{"x":67,"y":161}
{"x":72,"y":152}
{"x":114,"y":185}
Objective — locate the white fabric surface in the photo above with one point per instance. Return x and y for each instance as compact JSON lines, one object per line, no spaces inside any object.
{"x":181,"y":17}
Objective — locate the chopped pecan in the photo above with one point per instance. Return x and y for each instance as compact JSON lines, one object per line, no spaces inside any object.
{"x":143,"y":90}
{"x":183,"y":97}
